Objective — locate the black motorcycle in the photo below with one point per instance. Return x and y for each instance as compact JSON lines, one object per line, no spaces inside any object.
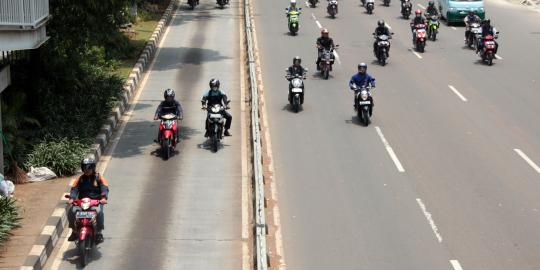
{"x":296,"y":90}
{"x":370,"y":6}
{"x":222,"y":3}
{"x":332,"y":8}
{"x":193,"y":3}
{"x":313,"y":3}
{"x":216,"y":122}
{"x":363,"y":104}
{"x":406,"y":8}
{"x":327,"y":60}
{"x":382,"y":49}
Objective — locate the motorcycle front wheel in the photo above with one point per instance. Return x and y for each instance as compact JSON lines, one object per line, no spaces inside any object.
{"x":84,"y":247}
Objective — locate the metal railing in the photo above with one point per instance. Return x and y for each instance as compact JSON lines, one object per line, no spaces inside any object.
{"x":261,"y":228}
{"x":23,"y":14}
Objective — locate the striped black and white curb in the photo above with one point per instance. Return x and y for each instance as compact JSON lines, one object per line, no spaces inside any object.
{"x":46,"y":241}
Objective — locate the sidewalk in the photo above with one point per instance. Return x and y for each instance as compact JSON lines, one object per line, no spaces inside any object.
{"x":36,"y":201}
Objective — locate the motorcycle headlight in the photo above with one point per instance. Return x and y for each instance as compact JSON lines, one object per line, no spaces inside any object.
{"x":85,"y":205}
{"x":215,"y":109}
{"x":296,"y":83}
{"x":364,"y":95}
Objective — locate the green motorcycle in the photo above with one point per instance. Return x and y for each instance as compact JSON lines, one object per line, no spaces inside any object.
{"x":433,"y":27}
{"x":294,"y":21}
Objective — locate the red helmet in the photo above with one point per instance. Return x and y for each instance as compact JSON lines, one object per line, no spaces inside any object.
{"x":418,"y":12}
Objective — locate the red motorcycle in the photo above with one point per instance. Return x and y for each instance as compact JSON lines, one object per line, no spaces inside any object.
{"x":420,"y":37}
{"x":86,"y":227}
{"x":487,"y":53}
{"x":167,"y":135}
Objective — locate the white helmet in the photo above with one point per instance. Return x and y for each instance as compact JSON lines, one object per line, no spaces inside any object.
{"x":293,"y":3}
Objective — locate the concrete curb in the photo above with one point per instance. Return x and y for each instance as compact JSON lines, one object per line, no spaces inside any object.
{"x":46,"y":242}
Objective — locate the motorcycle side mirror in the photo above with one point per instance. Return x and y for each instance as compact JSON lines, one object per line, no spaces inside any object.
{"x":67,"y":196}
{"x":228,"y":101}
{"x":299,"y":8}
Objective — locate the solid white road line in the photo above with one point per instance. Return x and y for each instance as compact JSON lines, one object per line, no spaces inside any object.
{"x":390,"y":151}
{"x":528,"y":160}
{"x":422,"y":7}
{"x":498,"y":57}
{"x":453,"y":28}
{"x":430,"y":219}
{"x":337,"y":57}
{"x":417,"y":54}
{"x":318,"y":24}
{"x":457,"y":93}
{"x":456,"y":265}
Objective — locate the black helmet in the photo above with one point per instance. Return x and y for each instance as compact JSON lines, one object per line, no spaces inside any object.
{"x":168,"y":93}
{"x":297,"y":59}
{"x":431,"y":3}
{"x":381,"y":23}
{"x":214,"y":83}
{"x":487,"y":21}
{"x":88,"y":163}
{"x":471,"y":12}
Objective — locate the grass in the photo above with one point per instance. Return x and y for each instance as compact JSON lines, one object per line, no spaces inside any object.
{"x":9,"y":217}
{"x":141,"y":33}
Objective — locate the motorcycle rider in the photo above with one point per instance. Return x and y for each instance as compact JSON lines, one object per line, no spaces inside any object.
{"x":431,"y":9}
{"x":470,"y":19}
{"x":405,"y":3}
{"x":216,"y":96}
{"x":337,"y":7}
{"x":292,"y":7}
{"x":361,"y":79}
{"x":324,"y":42}
{"x":381,"y":29}
{"x":169,"y":106}
{"x":89,"y":185}
{"x":295,"y":70}
{"x":487,"y":29}
{"x":418,"y":19}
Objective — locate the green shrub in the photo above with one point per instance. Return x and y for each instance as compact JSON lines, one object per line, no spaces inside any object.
{"x":9,"y":217}
{"x":62,"y":156}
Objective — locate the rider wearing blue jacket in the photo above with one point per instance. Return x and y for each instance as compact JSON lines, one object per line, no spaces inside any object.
{"x":361,"y":79}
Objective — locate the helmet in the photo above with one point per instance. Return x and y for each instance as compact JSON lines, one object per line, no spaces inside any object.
{"x":362,"y":67}
{"x":88,"y":163}
{"x":431,"y":3}
{"x":381,"y":23}
{"x":296,"y":60}
{"x":418,"y":12}
{"x":168,"y":93}
{"x":324,"y":32}
{"x":214,"y":84}
{"x":471,"y":12}
{"x":293,"y":3}
{"x":487,"y":21}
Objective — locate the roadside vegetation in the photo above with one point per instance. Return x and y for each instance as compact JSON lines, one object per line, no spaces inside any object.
{"x":9,"y":217}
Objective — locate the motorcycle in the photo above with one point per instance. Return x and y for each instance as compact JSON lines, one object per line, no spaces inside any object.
{"x":296,"y":92}
{"x":370,"y":6}
{"x":420,"y":37}
{"x":222,"y":3}
{"x":406,"y":8}
{"x":293,"y":20}
{"x":487,"y":53}
{"x":332,"y":8}
{"x":363,"y":103}
{"x":327,"y":60}
{"x":313,"y":3}
{"x":433,"y":27}
{"x":193,"y":3}
{"x":167,"y":135}
{"x":383,"y":46}
{"x":386,"y":3}
{"x":86,"y":227}
{"x":474,"y":33}
{"x":216,"y":122}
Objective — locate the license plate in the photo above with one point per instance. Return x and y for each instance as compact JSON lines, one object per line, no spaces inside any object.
{"x":297,"y":90}
{"x":215,"y":115}
{"x":367,"y":102}
{"x":81,"y":214}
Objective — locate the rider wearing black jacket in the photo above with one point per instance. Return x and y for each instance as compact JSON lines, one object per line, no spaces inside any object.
{"x":431,"y":9}
{"x":381,"y":29}
{"x":487,"y":29}
{"x":295,"y":70}
{"x":216,"y":96}
{"x":323,"y":42}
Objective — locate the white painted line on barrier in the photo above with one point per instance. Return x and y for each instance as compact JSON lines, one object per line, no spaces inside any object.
{"x":498,"y":57}
{"x":457,"y":93}
{"x":390,"y":150}
{"x":527,"y":159}
{"x":430,"y":219}
{"x":456,"y":265}
{"x":417,"y":54}
{"x":422,"y":7}
{"x":36,"y":250}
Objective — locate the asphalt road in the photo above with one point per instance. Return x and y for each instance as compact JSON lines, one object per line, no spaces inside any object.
{"x":183,"y":213}
{"x":465,"y":199}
